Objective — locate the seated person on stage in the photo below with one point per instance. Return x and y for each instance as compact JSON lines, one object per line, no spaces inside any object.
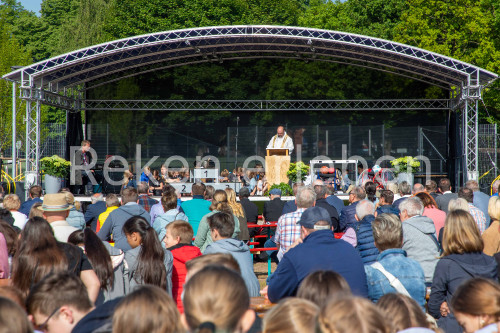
{"x":388,"y":236}
{"x":316,"y":249}
{"x":385,"y":202}
{"x":221,"y":228}
{"x":224,"y":176}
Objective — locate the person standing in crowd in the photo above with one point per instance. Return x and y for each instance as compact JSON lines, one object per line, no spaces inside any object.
{"x":197,"y":207}
{"x":117,"y":218}
{"x":388,"y":238}
{"x":419,"y":236}
{"x":273,"y":207}
{"x":35,"y":194}
{"x":281,"y":140}
{"x":480,"y":199}
{"x":360,"y":234}
{"x":317,"y":249}
{"x":347,"y":215}
{"x":444,"y":199}
{"x":55,"y":210}
{"x":462,"y":259}
{"x":95,"y":209}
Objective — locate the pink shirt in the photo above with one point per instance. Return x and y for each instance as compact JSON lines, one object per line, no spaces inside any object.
{"x":4,"y":258}
{"x":437,"y":216}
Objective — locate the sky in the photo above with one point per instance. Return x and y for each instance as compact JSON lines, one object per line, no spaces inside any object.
{"x":33,"y":5}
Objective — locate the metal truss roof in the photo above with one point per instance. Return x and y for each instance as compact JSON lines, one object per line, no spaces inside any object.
{"x":274,"y":105}
{"x":106,"y":62}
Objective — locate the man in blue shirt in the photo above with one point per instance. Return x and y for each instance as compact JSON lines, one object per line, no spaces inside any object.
{"x":35,"y":194}
{"x":316,"y":249}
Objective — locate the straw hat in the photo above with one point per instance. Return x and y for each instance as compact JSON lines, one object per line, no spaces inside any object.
{"x":55,"y":203}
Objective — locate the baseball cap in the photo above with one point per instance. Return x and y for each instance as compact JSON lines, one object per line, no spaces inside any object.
{"x":312,"y":215}
{"x":275,"y":191}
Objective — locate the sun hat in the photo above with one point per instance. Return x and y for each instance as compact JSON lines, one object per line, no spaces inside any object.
{"x":55,"y":203}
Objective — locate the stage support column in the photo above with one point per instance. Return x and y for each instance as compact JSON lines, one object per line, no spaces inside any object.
{"x":14,"y":129}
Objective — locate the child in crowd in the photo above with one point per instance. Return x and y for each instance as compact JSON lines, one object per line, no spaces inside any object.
{"x":404,"y":312}
{"x":221,"y":228}
{"x":107,"y":261}
{"x":147,"y":261}
{"x":320,"y":286}
{"x":291,"y":315}
{"x":178,"y":237}
{"x":216,"y":300}
{"x":352,"y":314}
{"x":147,"y":309}
{"x":13,"y":318}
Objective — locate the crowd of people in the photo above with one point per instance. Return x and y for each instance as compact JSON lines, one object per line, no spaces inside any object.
{"x":404,"y":259}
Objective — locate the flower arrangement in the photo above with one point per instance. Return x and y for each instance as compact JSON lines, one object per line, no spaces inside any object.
{"x":297,"y":170}
{"x":55,"y":166}
{"x":405,"y":164}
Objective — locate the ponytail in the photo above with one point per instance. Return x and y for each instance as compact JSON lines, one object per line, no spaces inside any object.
{"x":150,"y":267}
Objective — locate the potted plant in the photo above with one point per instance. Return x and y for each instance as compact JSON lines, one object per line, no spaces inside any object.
{"x":55,"y":169}
{"x":297,"y":172}
{"x":286,"y":190}
{"x":405,"y":167}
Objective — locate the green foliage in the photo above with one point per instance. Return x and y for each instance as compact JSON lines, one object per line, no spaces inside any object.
{"x":55,"y":166}
{"x":297,"y":172}
{"x":405,"y":164}
{"x":286,"y":190}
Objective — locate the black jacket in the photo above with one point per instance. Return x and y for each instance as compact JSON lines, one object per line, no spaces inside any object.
{"x":273,"y":209}
{"x":251,"y":210}
{"x":334,"y":215}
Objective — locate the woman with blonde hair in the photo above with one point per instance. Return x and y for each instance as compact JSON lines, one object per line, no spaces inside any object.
{"x":239,"y":212}
{"x":476,"y":305}
{"x":216,"y":300}
{"x":75,"y":217}
{"x":219,"y":204}
{"x":148,"y":309}
{"x":353,"y":314}
{"x":491,"y":236}
{"x":128,"y":180}
{"x":462,"y":259}
{"x":291,"y":315}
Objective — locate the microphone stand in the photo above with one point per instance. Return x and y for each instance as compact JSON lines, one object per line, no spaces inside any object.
{"x":236,"y":146}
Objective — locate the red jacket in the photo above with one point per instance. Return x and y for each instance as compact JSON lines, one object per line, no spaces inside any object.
{"x":182,"y":253}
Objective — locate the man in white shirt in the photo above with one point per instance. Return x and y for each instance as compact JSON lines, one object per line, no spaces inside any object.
{"x":281,"y":140}
{"x":55,"y":210}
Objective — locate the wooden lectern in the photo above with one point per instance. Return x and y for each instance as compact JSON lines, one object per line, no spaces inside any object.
{"x":277,"y":165}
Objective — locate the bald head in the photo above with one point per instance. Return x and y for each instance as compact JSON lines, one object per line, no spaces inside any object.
{"x":280,"y":131}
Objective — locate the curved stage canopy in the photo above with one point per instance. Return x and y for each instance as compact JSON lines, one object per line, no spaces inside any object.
{"x":61,"y":81}
{"x":132,"y":56}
